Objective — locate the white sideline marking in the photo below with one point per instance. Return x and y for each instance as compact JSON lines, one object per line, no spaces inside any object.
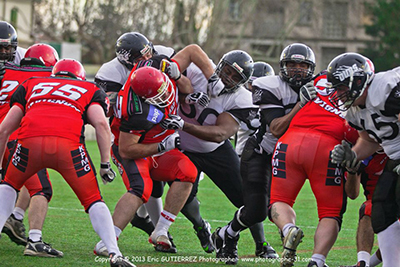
{"x":216,"y":221}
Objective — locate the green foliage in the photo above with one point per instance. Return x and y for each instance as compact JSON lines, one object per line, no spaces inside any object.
{"x":67,"y":228}
{"x":385,"y":53}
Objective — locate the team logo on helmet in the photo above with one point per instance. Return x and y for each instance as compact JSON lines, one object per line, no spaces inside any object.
{"x":123,"y":55}
{"x":237,"y":67}
{"x":344,"y":72}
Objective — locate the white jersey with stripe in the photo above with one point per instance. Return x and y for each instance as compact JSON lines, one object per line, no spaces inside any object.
{"x":20,"y":54}
{"x":114,"y":71}
{"x":379,"y":118}
{"x":271,"y":92}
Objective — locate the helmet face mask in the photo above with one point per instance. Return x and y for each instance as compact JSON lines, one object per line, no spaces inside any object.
{"x":153,"y":86}
{"x":8,"y":42}
{"x":132,"y":47}
{"x":297,"y":64}
{"x":349,"y":75}
{"x":235,"y":69}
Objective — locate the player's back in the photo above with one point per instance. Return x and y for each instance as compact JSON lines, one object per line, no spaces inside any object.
{"x":13,"y":77}
{"x":56,"y":106}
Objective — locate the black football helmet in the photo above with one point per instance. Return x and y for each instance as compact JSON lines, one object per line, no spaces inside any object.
{"x":240,"y":62}
{"x":131,"y":46}
{"x":261,"y":69}
{"x":297,"y":53}
{"x":8,"y":37}
{"x":349,"y":74}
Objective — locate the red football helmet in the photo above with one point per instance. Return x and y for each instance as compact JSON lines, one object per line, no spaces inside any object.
{"x":69,"y":67}
{"x":153,"y":85}
{"x":45,"y":53}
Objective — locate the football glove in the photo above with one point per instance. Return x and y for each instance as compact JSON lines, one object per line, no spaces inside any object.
{"x":171,"y":69}
{"x":342,"y":154}
{"x":107,"y":174}
{"x":170,"y":142}
{"x":215,"y":86}
{"x":197,"y":98}
{"x":174,"y":122}
{"x":307,"y":93}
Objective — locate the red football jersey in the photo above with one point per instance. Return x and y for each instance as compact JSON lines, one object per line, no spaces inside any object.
{"x":133,"y":115}
{"x":13,"y":77}
{"x":320,"y":114}
{"x":56,"y":106}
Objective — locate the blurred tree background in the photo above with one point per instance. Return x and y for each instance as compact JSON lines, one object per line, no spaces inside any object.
{"x":385,"y":53}
{"x":221,"y":25}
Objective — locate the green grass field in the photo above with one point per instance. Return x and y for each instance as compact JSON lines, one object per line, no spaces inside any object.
{"x":68,"y":229}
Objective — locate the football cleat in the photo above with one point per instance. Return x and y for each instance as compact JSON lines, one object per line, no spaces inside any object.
{"x":120,"y":261}
{"x":161,"y":242}
{"x":204,"y":235}
{"x":218,"y":242}
{"x":15,"y":230}
{"x":172,"y":249}
{"x":229,"y":249}
{"x":41,"y":249}
{"x":290,"y":243}
{"x":265,"y":250}
{"x":359,"y":264}
{"x":100,"y":249}
{"x":314,"y":264}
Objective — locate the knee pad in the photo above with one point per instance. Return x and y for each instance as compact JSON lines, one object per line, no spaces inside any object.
{"x":158,"y":189}
{"x":365,"y":209}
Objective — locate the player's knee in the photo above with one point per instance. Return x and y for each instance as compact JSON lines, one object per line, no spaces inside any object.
{"x":158,"y":189}
{"x":187,"y":171}
{"x":144,"y":196}
{"x":365,"y":209}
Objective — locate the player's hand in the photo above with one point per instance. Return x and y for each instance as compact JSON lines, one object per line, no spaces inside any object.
{"x":307,"y":93}
{"x":214,"y":86}
{"x":107,"y":174}
{"x":171,"y":69}
{"x":197,"y":98}
{"x":170,"y":142}
{"x":174,"y":122}
{"x":342,"y":154}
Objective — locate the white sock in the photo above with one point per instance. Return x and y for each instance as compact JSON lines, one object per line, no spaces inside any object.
{"x":319,"y":259}
{"x":8,"y":196}
{"x":231,"y":232}
{"x":374,"y":260}
{"x":19,"y":213}
{"x":103,"y":225}
{"x":364,"y":256}
{"x":117,"y":232}
{"x":165,"y":221}
{"x":142,"y":212}
{"x":221,"y":232}
{"x":35,"y":235}
{"x":154,"y":207}
{"x":286,"y":228}
{"x":389,"y":244}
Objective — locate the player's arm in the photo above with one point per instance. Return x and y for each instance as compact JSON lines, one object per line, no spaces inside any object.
{"x":352,"y":185}
{"x":96,"y":117}
{"x":10,"y":123}
{"x":130,"y":148}
{"x":365,"y":146}
{"x":277,"y":122}
{"x":225,"y":127}
{"x":194,"y":54}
